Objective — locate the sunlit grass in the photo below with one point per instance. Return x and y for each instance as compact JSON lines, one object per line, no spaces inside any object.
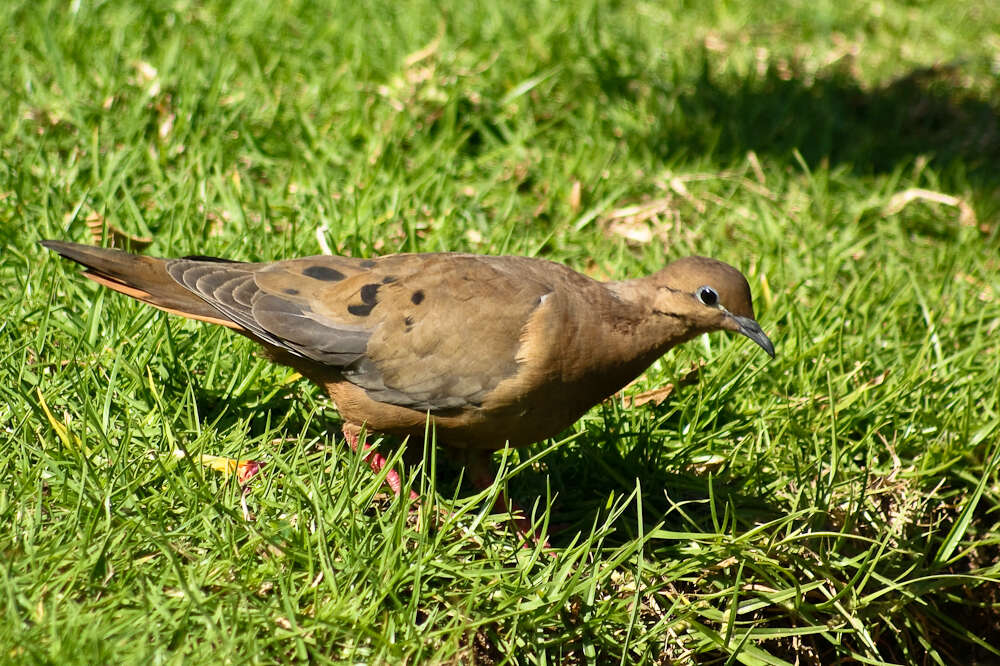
{"x":837,"y":503}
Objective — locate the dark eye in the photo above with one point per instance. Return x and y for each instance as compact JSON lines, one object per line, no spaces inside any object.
{"x":708,"y":296}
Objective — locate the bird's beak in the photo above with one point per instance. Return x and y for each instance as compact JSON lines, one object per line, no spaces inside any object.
{"x":752,"y":330}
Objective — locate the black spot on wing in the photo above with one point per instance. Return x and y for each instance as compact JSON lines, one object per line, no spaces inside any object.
{"x":360,"y":310}
{"x":388,"y":279}
{"x":324,"y":273}
{"x":369,"y":294}
{"x":418,"y":297}
{"x":369,"y":299}
{"x":367,"y":263}
{"x":292,"y":292}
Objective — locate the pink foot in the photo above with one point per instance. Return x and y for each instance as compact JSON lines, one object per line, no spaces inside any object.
{"x":375,"y":460}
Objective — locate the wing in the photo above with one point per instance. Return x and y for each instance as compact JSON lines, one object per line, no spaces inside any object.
{"x":429,"y":331}
{"x":269,"y":301}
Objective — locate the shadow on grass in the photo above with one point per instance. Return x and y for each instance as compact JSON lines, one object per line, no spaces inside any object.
{"x":601,"y":467}
{"x":587,"y":476}
{"x":829,"y":117}
{"x":581,"y":475}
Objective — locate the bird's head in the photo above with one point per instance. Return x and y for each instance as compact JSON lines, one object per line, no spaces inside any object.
{"x":712,"y":295}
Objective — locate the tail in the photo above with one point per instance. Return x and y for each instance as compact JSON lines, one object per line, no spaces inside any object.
{"x":143,"y":278}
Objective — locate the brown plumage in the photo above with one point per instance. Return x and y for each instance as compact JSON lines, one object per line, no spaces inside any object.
{"x":493,"y":349}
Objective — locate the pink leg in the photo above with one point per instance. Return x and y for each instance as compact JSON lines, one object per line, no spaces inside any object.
{"x":481,"y":475}
{"x":375,"y":460}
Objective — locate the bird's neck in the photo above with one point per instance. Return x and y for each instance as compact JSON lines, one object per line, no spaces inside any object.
{"x":633,"y":333}
{"x":655,"y":324}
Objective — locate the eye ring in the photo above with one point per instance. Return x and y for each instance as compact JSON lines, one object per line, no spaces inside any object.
{"x":707,"y":296}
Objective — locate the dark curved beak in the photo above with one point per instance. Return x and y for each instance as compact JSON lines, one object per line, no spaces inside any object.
{"x":752,"y":330}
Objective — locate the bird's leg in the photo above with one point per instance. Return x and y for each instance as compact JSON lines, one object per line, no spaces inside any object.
{"x":376,"y":460}
{"x":479,"y":465}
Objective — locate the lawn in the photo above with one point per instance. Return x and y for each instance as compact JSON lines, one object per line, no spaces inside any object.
{"x":840,"y":503}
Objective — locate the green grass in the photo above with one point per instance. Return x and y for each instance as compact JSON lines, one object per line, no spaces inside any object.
{"x":837,"y":504}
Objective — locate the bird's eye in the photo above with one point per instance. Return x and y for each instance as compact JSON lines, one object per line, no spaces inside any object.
{"x":708,"y":296}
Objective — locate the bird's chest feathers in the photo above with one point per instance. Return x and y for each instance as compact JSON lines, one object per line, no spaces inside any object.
{"x":566,"y":362}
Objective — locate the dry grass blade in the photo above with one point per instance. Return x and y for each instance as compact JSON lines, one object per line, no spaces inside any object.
{"x":643,"y":223}
{"x":899,"y":201}
{"x":658,"y":395}
{"x":101,"y":230}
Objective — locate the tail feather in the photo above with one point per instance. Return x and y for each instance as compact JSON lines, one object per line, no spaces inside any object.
{"x":143,"y":278}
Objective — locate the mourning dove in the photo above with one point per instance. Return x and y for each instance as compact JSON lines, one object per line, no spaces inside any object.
{"x":491,"y":349}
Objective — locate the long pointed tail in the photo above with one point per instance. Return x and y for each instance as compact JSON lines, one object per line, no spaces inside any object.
{"x":143,"y":278}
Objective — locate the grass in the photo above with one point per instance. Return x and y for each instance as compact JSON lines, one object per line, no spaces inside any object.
{"x":837,"y":504}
